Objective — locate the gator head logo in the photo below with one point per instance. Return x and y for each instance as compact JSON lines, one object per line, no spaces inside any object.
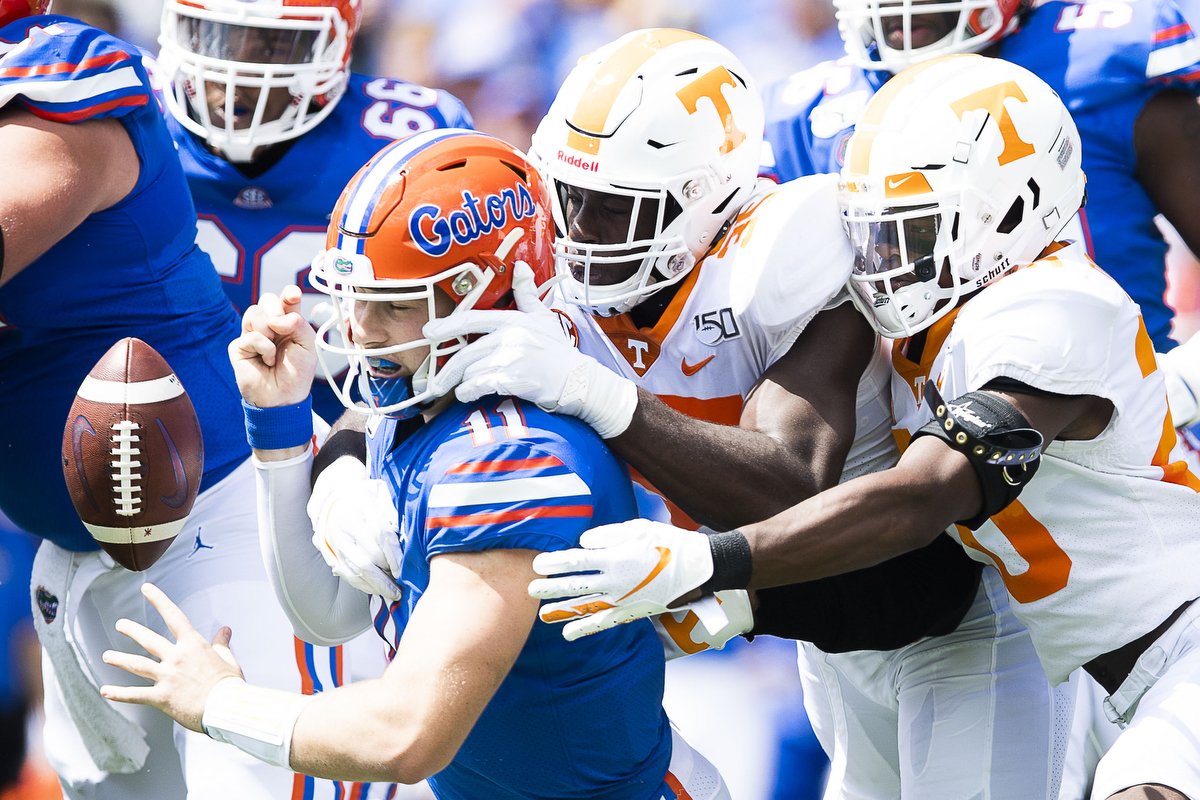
{"x":434,"y":229}
{"x":343,"y":266}
{"x":47,"y":604}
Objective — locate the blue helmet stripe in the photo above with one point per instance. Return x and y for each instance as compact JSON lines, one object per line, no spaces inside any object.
{"x":365,"y":195}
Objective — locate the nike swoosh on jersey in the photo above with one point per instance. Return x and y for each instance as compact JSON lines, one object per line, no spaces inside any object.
{"x":181,"y":481}
{"x":664,"y":558}
{"x":692,"y":369}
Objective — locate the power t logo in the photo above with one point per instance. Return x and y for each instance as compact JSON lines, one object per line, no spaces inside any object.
{"x":434,"y":229}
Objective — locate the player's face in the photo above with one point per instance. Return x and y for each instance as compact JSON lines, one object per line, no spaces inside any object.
{"x":259,"y":49}
{"x":382,"y":323}
{"x":595,"y":217}
{"x":909,"y":242}
{"x":926,"y":29}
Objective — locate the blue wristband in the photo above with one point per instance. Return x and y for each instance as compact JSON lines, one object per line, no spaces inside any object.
{"x":279,"y":428}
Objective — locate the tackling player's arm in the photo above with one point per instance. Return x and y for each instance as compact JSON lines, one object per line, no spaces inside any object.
{"x":460,"y":643}
{"x":55,"y":176}
{"x":642,"y":568}
{"x":877,"y":516}
{"x":791,"y":442}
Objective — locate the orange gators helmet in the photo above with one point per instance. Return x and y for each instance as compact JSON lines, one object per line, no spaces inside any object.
{"x":13,"y":10}
{"x":249,"y":73}
{"x":447,"y":210}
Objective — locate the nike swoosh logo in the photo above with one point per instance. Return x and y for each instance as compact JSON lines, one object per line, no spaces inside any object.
{"x":181,"y":481}
{"x":78,"y":428}
{"x":891,"y":184}
{"x":593,"y":607}
{"x":692,"y":369}
{"x":664,"y":558}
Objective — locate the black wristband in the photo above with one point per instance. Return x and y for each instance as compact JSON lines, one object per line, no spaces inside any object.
{"x":732,"y":564}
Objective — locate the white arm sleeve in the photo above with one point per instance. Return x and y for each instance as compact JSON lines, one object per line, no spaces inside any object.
{"x":323,"y":609}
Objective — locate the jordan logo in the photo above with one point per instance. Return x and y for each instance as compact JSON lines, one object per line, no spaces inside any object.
{"x":199,"y":545}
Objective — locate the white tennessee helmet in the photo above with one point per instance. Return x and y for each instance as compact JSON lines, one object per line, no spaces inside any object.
{"x":668,"y":119}
{"x":895,"y":34}
{"x":959,"y":170}
{"x":247,"y":73}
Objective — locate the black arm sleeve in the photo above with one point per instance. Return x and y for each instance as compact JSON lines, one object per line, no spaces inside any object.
{"x":922,"y":593}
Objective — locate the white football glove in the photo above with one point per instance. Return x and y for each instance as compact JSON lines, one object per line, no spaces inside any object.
{"x":355,"y":527}
{"x":686,"y":631}
{"x":1181,"y":372}
{"x":527,"y":353}
{"x":634,"y":569}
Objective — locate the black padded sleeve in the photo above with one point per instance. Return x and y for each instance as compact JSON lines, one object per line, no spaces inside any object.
{"x":922,"y":593}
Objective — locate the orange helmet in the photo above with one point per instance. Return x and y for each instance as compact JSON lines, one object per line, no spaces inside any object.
{"x":13,"y":10}
{"x":450,"y":210}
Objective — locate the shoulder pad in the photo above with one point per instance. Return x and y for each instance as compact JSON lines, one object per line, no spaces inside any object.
{"x":793,"y":256}
{"x":65,"y":71}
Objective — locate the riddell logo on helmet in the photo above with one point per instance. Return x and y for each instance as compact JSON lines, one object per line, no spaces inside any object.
{"x":579,"y":162}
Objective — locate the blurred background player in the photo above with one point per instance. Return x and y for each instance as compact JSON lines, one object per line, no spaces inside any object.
{"x":271,"y":124}
{"x":495,"y":705}
{"x":1054,"y":452}
{"x":98,"y":236}
{"x":718,"y":355}
{"x":1129,"y":74}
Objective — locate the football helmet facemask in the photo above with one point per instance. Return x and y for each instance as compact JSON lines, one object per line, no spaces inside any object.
{"x":895,"y":34}
{"x":663,"y":129}
{"x":960,"y":170}
{"x":248,"y":73}
{"x":448,"y":211}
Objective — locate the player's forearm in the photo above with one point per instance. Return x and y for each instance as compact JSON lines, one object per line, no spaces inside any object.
{"x":362,"y":732}
{"x":722,"y":475}
{"x":865,"y":521}
{"x":321,"y":607}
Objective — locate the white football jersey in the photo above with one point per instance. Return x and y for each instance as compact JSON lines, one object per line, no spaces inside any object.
{"x":784,"y":259}
{"x":1102,"y":544}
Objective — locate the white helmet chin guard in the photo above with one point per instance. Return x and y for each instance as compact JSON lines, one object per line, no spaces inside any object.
{"x":961,"y":169}
{"x":665,"y":118}
{"x":243,"y":74}
{"x":891,"y":34}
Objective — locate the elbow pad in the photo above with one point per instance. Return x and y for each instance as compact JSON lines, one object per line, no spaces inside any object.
{"x":996,"y":439}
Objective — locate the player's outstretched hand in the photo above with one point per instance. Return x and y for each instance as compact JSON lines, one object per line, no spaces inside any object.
{"x":185,"y":671}
{"x":527,"y":353}
{"x":621,"y":573}
{"x":355,"y":526}
{"x":274,"y":359}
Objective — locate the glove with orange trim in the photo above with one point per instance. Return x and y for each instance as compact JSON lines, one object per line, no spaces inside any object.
{"x":684,"y":633}
{"x":630,"y":570}
{"x":526,"y":353}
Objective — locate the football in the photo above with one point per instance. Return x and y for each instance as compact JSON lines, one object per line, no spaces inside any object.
{"x":132,"y":454}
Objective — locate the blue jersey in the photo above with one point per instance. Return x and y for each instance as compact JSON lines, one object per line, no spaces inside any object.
{"x":579,"y":719}
{"x":130,"y":270}
{"x":263,"y":232}
{"x":1104,"y":58}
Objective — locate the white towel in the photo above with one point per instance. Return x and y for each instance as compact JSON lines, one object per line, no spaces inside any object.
{"x":115,"y":743}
